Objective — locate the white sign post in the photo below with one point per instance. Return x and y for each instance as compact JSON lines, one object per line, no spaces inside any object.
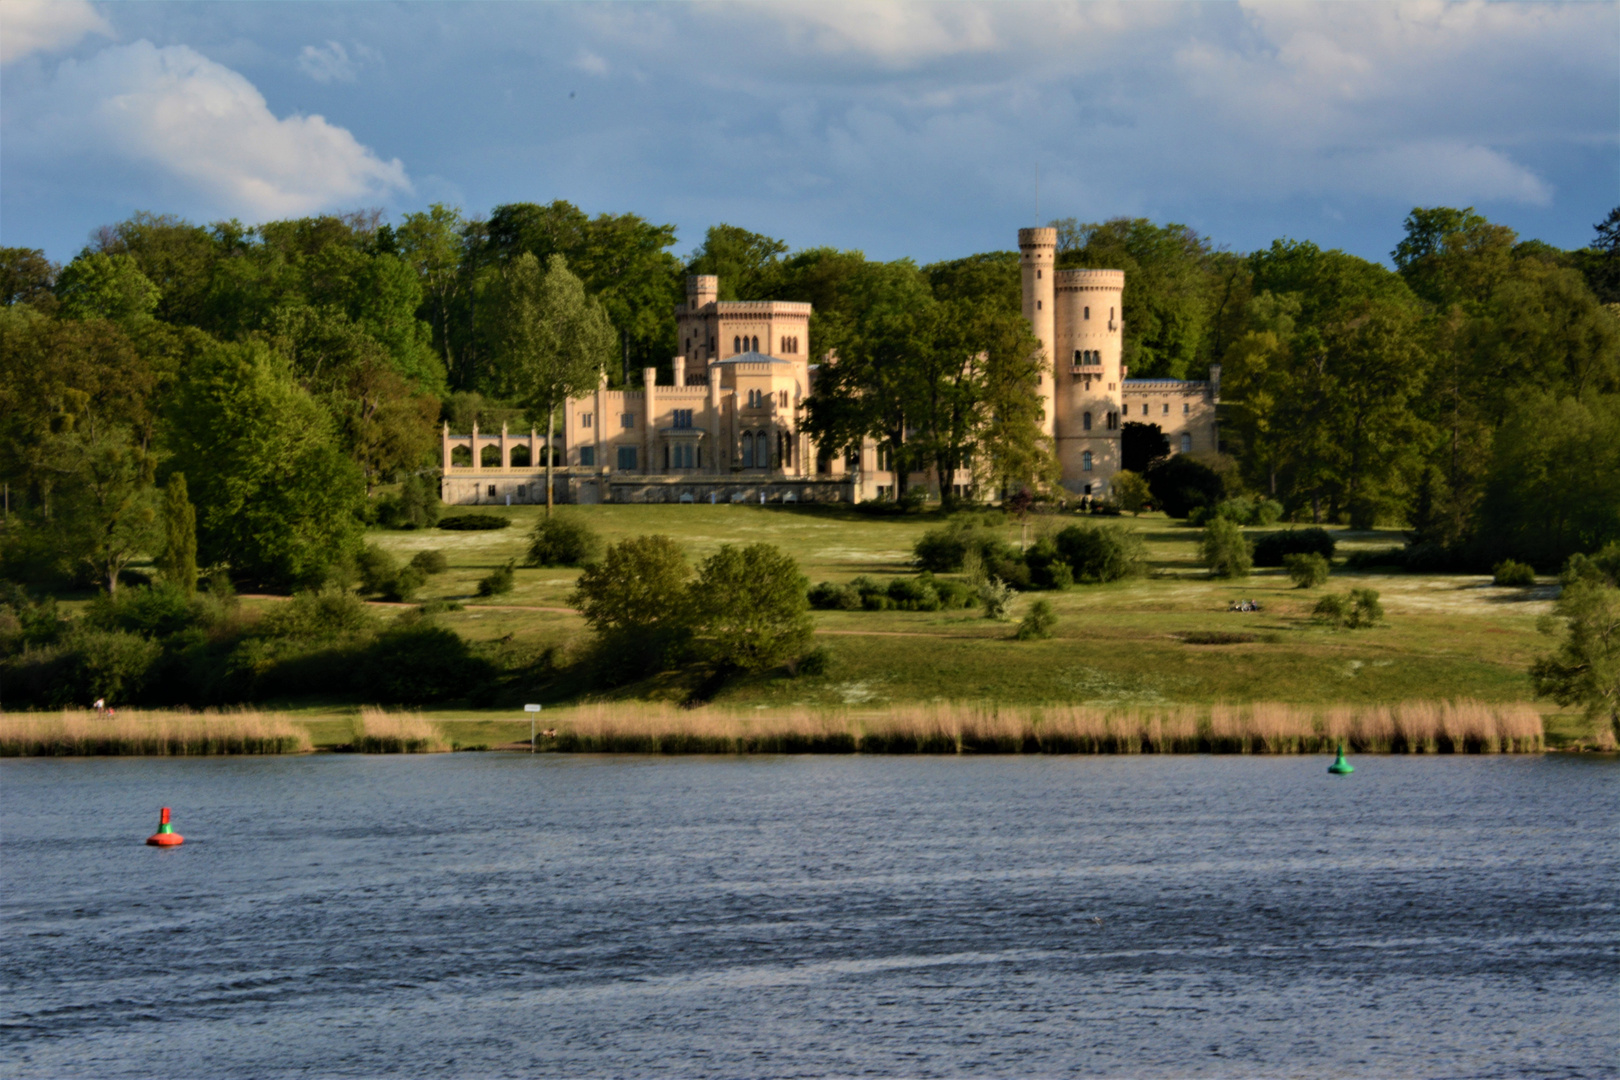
{"x":531,"y":710}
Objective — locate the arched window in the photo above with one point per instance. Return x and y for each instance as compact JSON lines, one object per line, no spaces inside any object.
{"x":1186,"y":443}
{"x":747,"y":451}
{"x":736,"y":344}
{"x":756,"y":344}
{"x":1085,"y":421}
{"x":1085,"y":461}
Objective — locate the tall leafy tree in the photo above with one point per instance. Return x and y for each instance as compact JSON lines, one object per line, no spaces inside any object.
{"x":26,"y":276}
{"x":277,"y":498}
{"x":553,"y":341}
{"x":434,"y":244}
{"x":178,"y":561}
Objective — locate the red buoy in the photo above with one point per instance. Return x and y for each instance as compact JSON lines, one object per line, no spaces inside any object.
{"x":165,"y":836}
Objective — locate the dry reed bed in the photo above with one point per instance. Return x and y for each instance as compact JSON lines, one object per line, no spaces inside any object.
{"x":379,"y":732}
{"x":161,"y":733}
{"x":1420,"y":727}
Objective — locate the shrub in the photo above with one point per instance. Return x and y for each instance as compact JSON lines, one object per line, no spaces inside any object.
{"x":1181,"y":483}
{"x":1225,"y":550}
{"x":1508,"y":572}
{"x":914,"y":594}
{"x":325,"y":615}
{"x":430,"y":562}
{"x":1038,"y":623}
{"x":814,"y":663}
{"x":1102,"y":553}
{"x":1359,"y":609}
{"x":1131,"y":491}
{"x":1269,"y":548}
{"x":473,"y":522}
{"x":956,"y":594}
{"x":997,"y":597}
{"x":377,"y":569}
{"x":1306,"y":570}
{"x":1047,"y":567}
{"x":420,"y":662}
{"x":828,"y":597}
{"x":563,"y":540}
{"x":404,"y":584}
{"x":1365,"y":610}
{"x":1332,"y":608}
{"x":153,"y":611}
{"x":947,"y":550}
{"x":498,"y":581}
{"x":1218,"y":637}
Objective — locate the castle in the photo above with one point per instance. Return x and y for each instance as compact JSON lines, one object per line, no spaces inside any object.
{"x":729,"y":427}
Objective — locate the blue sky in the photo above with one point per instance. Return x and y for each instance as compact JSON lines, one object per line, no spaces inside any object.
{"x":897,"y":129}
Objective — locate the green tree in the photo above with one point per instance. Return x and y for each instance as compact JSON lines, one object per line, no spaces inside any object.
{"x":26,"y":276}
{"x":1306,"y":569}
{"x":750,"y":608}
{"x":1585,"y":669}
{"x":178,"y":562}
{"x":1131,"y":492}
{"x":96,"y":286}
{"x":749,"y":264}
{"x":554,"y":342}
{"x":636,"y":602}
{"x":1553,"y":474}
{"x":1037,"y":624}
{"x":277,"y":499}
{"x":1179,"y":293}
{"x":434,"y":245}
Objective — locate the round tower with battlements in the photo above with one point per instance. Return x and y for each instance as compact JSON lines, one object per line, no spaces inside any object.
{"x":1037,"y":261}
{"x":1088,"y":348}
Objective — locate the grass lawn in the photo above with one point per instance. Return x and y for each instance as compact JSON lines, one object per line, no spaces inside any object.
{"x":1446,"y":636}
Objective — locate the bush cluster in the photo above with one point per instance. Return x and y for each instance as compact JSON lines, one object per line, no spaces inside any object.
{"x":154,"y":645}
{"x":381,"y":574}
{"x":563,"y":540}
{"x":473,"y":522}
{"x":1508,"y":572}
{"x":1307,"y":569}
{"x":1086,"y":553}
{"x":1271,"y":548}
{"x":1238,"y":512}
{"x":1038,"y":623}
{"x":1360,"y":608}
{"x":924,"y":592}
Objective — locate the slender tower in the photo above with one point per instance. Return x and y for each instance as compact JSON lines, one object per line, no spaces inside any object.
{"x":1038,"y":255}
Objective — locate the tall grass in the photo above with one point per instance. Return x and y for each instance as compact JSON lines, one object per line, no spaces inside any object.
{"x":80,"y":732}
{"x":1420,"y":727}
{"x":379,"y":732}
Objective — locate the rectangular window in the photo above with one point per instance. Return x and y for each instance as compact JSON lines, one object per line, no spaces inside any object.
{"x":1166,"y":409}
{"x":627,"y":459}
{"x":683,"y":418}
{"x":587,"y":419}
{"x":627,"y":420}
{"x":587,"y":456}
{"x":523,"y":490}
{"x":492,"y":491}
{"x":1185,"y":408}
{"x":1085,"y":421}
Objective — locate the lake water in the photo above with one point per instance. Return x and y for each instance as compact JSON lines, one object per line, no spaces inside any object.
{"x":476,"y":915}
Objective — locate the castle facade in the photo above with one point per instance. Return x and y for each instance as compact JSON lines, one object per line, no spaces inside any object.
{"x":729,"y":426}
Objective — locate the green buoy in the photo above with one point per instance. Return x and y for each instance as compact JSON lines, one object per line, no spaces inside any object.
{"x":1341,"y":767}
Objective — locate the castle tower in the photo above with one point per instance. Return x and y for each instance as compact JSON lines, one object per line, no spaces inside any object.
{"x":701,"y":289}
{"x":1038,"y":256}
{"x":1088,"y":348}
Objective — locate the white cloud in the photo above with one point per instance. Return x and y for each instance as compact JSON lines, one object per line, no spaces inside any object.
{"x":327,"y":63}
{"x":30,"y":26}
{"x":198,"y":123}
{"x":590,"y":63}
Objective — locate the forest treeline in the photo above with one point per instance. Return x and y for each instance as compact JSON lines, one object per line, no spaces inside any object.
{"x":285,"y":370}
